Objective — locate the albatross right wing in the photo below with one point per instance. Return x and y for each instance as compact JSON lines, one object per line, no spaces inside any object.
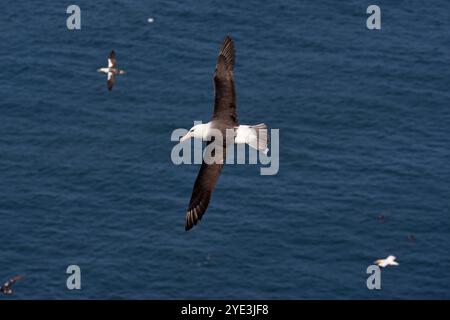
{"x":201,"y":194}
{"x":112,"y":59}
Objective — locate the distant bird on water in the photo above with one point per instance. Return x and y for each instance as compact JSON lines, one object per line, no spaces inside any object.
{"x":389,"y":261}
{"x":7,"y":286}
{"x":224,"y":117}
{"x":111,"y":70}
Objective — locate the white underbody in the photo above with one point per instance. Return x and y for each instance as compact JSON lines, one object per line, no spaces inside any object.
{"x":255,"y":136}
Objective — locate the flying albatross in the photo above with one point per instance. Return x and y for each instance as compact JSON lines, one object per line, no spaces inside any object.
{"x":7,"y":286}
{"x":111,"y":70}
{"x":224,"y":117}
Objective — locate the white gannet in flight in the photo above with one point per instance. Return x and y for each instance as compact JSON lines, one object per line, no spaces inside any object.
{"x":224,"y":117}
{"x":111,"y":70}
{"x":389,"y":261}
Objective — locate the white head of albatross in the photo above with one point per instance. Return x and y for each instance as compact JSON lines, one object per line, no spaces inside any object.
{"x":199,"y":131}
{"x":389,"y":261}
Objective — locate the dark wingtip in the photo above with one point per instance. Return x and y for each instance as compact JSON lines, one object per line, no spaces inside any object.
{"x":191,"y":220}
{"x":227,"y":52}
{"x":193,"y":216}
{"x":188,"y":225}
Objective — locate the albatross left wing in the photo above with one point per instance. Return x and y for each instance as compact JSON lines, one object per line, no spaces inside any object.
{"x":201,"y":194}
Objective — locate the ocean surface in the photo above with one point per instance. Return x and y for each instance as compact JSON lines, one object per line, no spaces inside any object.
{"x":86,"y":176}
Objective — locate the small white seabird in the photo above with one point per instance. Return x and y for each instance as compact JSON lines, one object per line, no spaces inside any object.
{"x":389,"y":261}
{"x":111,"y":70}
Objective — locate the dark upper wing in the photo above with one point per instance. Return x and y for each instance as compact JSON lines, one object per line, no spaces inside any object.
{"x":201,"y":194}
{"x":112,"y":59}
{"x":225,"y":95}
{"x":111,"y":80}
{"x":16,"y":278}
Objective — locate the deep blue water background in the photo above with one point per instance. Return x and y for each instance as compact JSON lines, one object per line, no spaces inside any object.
{"x":86,"y":176}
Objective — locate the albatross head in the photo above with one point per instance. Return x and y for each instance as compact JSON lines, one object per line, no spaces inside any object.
{"x":198,"y":131}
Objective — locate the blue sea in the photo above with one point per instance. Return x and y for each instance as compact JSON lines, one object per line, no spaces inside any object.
{"x":86,"y":176}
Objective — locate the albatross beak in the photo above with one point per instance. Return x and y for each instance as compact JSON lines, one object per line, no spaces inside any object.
{"x":187,"y":136}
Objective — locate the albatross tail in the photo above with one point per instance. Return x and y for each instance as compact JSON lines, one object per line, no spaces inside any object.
{"x":255,"y":136}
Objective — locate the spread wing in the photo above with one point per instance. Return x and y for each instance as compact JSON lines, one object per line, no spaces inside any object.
{"x":201,"y":194}
{"x":112,"y":59}
{"x":111,"y":80}
{"x":15,"y":279}
{"x":7,"y":285}
{"x":225,"y":95}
